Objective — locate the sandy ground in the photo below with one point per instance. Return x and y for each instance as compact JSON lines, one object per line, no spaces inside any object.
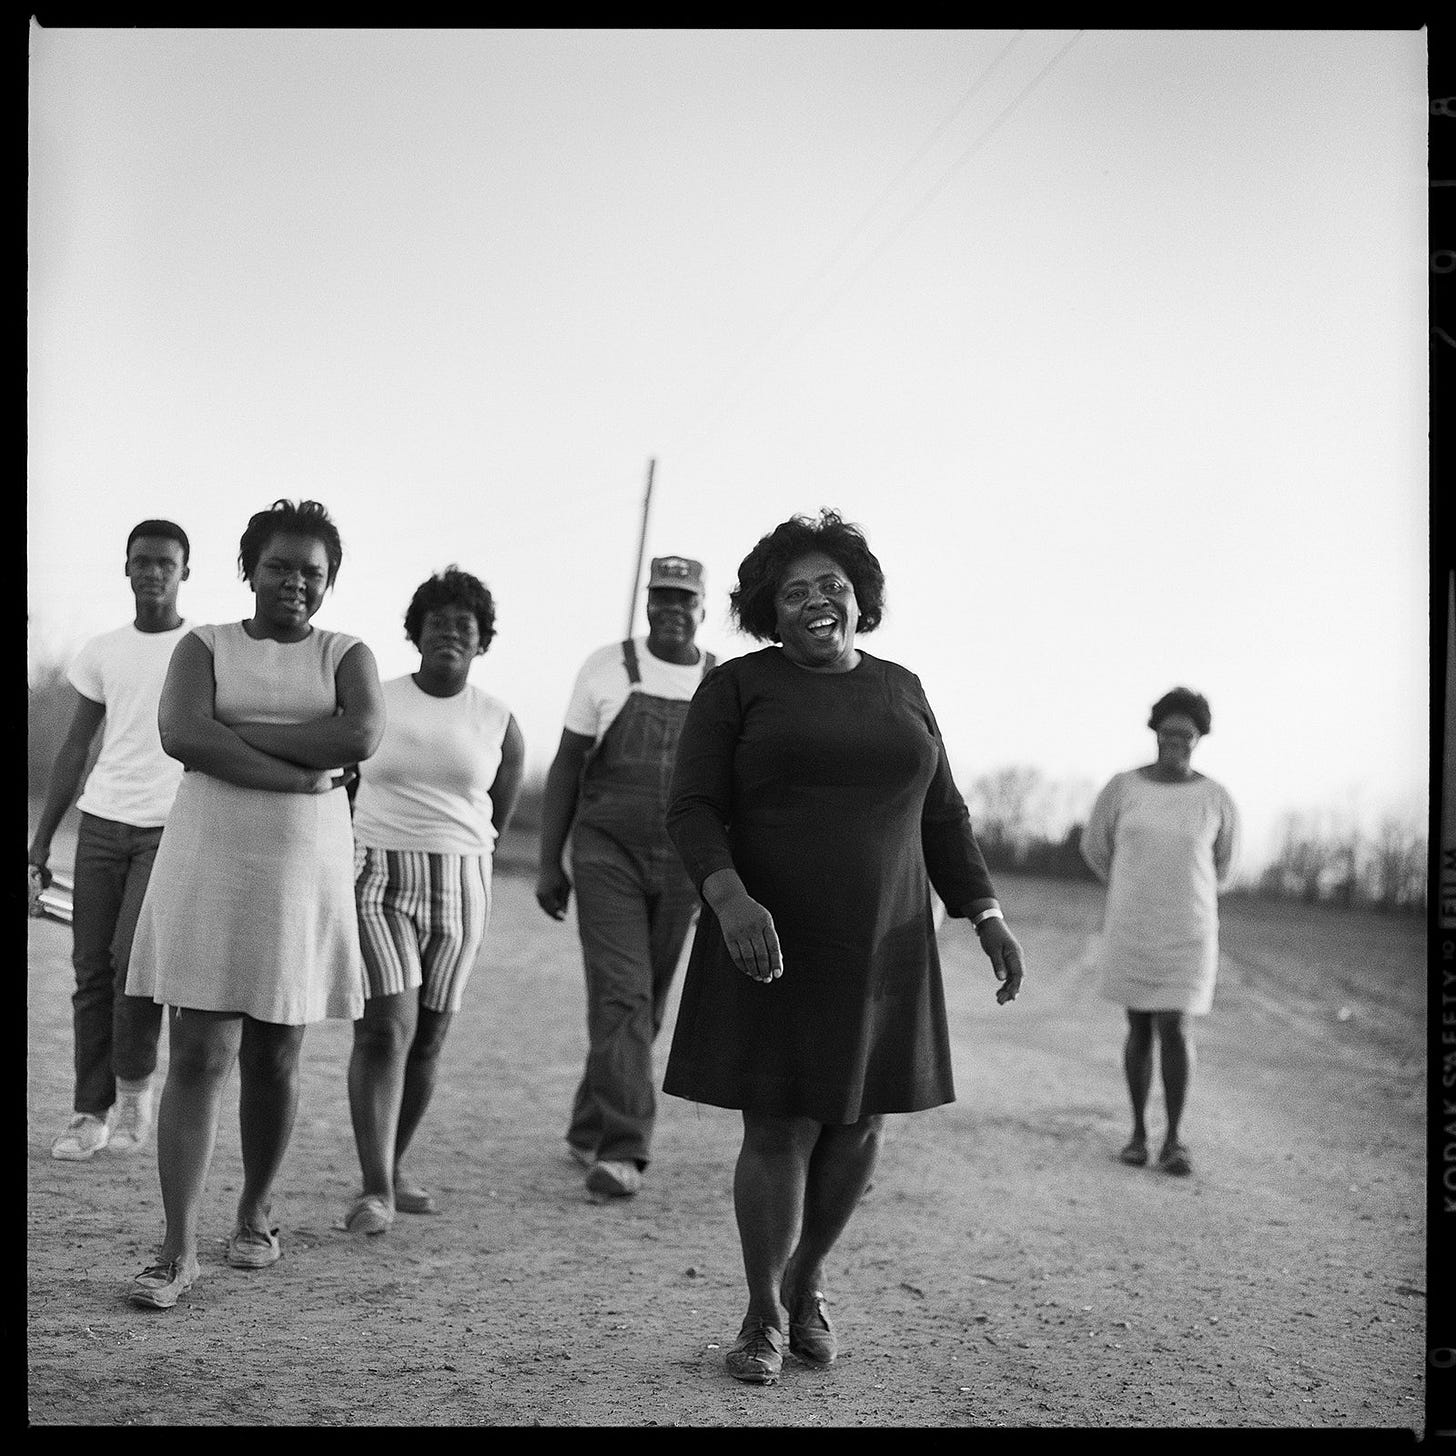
{"x":1004,"y":1271}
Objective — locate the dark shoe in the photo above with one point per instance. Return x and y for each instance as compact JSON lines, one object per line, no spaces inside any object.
{"x":160,"y":1286}
{"x":757,"y":1354}
{"x":1135,"y":1154}
{"x":250,"y":1248}
{"x":1174,"y":1159}
{"x":369,"y":1214}
{"x":811,"y":1336}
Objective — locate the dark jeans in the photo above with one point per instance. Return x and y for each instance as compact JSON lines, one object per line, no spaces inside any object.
{"x":634,"y":908}
{"x":115,"y":1034}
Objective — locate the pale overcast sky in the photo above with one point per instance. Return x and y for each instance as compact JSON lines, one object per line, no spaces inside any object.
{"x":1113,"y":341}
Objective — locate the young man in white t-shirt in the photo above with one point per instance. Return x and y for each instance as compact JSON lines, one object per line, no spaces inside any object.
{"x":118,"y":677}
{"x":607,"y":789}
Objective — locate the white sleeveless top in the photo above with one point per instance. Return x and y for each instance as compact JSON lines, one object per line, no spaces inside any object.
{"x":427,"y":787}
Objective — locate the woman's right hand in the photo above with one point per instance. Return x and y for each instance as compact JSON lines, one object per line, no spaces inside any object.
{"x":748,"y":928}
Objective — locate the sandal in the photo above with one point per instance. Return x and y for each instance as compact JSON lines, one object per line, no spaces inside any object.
{"x":757,"y":1354}
{"x":369,"y":1214}
{"x":160,"y":1286}
{"x":414,"y":1199}
{"x":251,"y":1248}
{"x":1174,"y":1159}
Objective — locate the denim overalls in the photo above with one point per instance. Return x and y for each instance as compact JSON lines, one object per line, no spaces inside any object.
{"x":634,"y":908}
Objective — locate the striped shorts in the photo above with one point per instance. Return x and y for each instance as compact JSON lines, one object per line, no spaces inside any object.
{"x":422,"y":918}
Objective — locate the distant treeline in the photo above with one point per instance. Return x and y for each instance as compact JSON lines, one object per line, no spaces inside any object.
{"x":1028,"y":824}
{"x":1025,"y":823}
{"x":1322,"y":861}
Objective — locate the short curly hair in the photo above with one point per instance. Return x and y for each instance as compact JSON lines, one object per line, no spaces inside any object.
{"x":1186,"y":701}
{"x":751,"y":602}
{"x":305,"y":518}
{"x":162,"y":531}
{"x":449,"y":588}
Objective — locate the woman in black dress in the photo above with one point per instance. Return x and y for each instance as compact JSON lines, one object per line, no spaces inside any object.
{"x":813,"y":806}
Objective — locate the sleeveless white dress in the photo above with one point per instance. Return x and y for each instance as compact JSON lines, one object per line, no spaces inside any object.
{"x":250,"y":906}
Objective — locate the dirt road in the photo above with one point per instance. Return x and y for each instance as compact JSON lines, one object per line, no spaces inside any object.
{"x":1005,"y":1269}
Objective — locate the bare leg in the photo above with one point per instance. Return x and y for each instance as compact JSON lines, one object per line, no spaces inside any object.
{"x":1137,"y":1062}
{"x":203,"y":1045}
{"x":1175,"y":1047}
{"x":382,"y":1038}
{"x":422,"y":1070}
{"x":840,"y":1168}
{"x":769,"y":1185}
{"x":267,"y":1106}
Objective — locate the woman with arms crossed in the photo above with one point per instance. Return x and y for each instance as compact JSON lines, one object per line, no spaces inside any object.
{"x":248,"y":931}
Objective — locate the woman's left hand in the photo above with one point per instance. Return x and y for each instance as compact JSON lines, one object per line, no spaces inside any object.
{"x":1003,"y":950}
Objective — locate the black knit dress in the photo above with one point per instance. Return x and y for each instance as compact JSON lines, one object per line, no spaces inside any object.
{"x":831,"y":795}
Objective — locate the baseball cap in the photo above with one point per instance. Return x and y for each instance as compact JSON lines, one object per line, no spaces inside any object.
{"x":679,"y":572}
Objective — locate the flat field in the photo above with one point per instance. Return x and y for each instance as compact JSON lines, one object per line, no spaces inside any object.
{"x":1004,"y":1271}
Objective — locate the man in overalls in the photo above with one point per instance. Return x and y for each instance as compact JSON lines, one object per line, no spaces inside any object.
{"x":607,"y":789}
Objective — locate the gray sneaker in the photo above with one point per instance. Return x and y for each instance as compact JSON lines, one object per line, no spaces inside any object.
{"x":618,"y":1180}
{"x":85,"y":1134}
{"x":131,"y":1121}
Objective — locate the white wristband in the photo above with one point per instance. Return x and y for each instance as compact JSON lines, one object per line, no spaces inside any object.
{"x":992,"y":914}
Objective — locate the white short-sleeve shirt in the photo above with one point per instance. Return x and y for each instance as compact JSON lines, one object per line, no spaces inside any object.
{"x":133,"y":780}
{"x":602,"y":686}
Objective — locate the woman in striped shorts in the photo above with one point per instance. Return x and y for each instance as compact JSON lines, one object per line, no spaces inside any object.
{"x":429,"y":807}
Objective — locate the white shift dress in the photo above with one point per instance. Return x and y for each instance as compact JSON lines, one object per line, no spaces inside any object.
{"x":1164,"y":850}
{"x":250,"y":906}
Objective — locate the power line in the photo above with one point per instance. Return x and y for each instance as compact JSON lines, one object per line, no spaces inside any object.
{"x":964,"y":157}
{"x":919,"y":207}
{"x":838,"y":252}
{"x":842,"y":247}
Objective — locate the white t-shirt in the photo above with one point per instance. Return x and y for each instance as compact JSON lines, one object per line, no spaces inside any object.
{"x":427,"y":786}
{"x":133,"y":780}
{"x":602,"y":686}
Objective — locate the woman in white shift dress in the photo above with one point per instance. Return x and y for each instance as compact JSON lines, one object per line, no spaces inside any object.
{"x":248,"y":931}
{"x":1164,"y":839}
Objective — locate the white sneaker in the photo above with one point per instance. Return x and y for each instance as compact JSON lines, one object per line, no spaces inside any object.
{"x":131,"y":1121}
{"x":620,"y":1180}
{"x":84,"y":1135}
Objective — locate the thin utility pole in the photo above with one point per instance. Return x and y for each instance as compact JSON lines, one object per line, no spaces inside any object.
{"x":641,"y":548}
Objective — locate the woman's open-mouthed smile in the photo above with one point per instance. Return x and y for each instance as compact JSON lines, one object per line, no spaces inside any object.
{"x":817,"y":614}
